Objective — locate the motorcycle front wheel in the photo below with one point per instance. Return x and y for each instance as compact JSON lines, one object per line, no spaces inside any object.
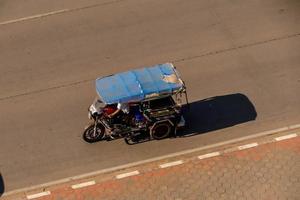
{"x":91,"y":136}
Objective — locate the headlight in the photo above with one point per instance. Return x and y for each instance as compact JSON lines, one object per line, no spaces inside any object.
{"x":93,"y":109}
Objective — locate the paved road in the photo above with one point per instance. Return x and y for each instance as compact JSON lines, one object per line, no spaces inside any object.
{"x":269,"y":170}
{"x":221,"y":48}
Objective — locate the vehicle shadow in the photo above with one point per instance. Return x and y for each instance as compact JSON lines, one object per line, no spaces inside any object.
{"x":217,"y":113}
{"x":2,"y":188}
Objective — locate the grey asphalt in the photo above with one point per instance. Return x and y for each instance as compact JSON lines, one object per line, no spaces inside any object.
{"x":48,"y":64}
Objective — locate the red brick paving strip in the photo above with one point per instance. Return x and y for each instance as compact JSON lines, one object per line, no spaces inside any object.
{"x":268,"y":172}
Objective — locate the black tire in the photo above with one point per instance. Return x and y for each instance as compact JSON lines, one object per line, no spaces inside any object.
{"x":162,"y":130}
{"x":130,"y":141}
{"x":88,"y":134}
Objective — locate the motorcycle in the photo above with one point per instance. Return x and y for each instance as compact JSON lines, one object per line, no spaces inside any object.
{"x":102,"y":127}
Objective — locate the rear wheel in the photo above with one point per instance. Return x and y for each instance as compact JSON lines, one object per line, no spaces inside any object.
{"x":90,"y":135}
{"x":161,"y":130}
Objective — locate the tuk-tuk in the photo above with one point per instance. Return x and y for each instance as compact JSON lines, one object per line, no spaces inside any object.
{"x":153,"y":98}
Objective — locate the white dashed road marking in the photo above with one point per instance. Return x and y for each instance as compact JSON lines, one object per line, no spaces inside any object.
{"x":286,"y":137}
{"x":37,"y":195}
{"x":209,"y":155}
{"x":85,"y":184}
{"x":170,"y":164}
{"x":247,"y":146}
{"x":34,"y":16}
{"x":127,"y":174}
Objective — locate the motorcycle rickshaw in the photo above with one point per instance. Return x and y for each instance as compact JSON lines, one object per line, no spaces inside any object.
{"x":154,"y":96}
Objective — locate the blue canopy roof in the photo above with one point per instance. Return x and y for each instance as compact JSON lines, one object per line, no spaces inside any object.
{"x":139,"y":84}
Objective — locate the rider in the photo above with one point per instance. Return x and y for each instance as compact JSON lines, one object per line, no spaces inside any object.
{"x":122,"y":108}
